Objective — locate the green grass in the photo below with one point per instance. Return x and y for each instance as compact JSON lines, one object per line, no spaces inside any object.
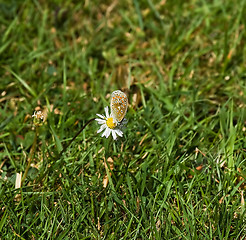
{"x":179,"y":171}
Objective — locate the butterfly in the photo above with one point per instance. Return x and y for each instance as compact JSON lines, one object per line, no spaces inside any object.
{"x":118,"y":105}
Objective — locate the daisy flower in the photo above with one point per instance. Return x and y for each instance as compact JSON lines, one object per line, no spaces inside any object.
{"x":38,"y":114}
{"x":39,"y":118}
{"x":109,"y":125}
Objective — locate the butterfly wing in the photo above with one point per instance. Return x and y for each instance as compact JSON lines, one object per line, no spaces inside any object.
{"x":118,"y":104}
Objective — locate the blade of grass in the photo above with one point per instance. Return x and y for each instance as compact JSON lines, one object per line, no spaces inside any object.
{"x":23,"y":82}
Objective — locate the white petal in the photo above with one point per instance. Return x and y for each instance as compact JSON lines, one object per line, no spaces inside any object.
{"x":101,"y":116}
{"x":100,"y":121}
{"x":102,"y":128}
{"x":105,"y":132}
{"x":120,"y":133}
{"x":114,"y":135}
{"x":106,"y":111}
{"x":108,"y":132}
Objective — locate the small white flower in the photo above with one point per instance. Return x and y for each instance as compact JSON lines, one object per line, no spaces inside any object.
{"x":38,"y":114}
{"x":109,"y":125}
{"x":38,"y":118}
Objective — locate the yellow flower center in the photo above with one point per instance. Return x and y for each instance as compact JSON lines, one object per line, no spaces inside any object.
{"x":110,"y":123}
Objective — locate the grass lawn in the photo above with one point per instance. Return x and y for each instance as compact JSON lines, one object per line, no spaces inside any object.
{"x":179,"y":170}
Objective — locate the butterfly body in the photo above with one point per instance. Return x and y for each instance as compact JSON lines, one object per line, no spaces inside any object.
{"x":118,"y":105}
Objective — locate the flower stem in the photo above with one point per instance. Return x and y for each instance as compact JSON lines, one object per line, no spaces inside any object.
{"x":76,"y":135}
{"x":30,"y":157}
